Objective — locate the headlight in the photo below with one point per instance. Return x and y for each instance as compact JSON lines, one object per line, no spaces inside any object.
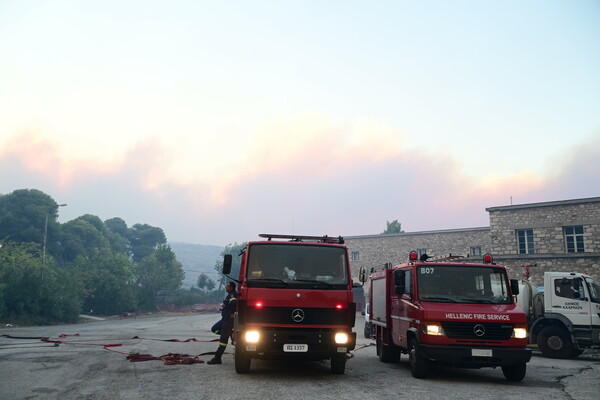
{"x":252,"y":336}
{"x":341,"y":338}
{"x":432,"y":328}
{"x":520,"y":331}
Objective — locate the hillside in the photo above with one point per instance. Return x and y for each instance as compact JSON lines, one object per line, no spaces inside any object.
{"x":196,"y":259}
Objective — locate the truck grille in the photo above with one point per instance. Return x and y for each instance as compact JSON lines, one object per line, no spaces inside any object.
{"x":284,"y":315}
{"x":467,"y":330}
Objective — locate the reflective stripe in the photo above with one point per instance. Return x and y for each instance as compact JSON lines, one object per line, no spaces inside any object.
{"x":222,"y":344}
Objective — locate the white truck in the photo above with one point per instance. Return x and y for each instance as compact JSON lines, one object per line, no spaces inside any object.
{"x":564,"y":318}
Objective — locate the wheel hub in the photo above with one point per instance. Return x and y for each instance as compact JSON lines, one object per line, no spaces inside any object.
{"x":555,"y":343}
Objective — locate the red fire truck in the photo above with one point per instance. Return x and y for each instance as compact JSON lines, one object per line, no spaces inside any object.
{"x":294,"y":301}
{"x":448,"y":313}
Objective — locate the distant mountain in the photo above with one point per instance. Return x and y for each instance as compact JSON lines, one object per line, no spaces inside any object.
{"x":196,"y":259}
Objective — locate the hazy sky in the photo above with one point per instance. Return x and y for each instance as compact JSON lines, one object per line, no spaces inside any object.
{"x":220,"y":120}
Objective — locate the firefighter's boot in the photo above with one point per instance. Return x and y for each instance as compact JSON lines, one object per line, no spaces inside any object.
{"x":214,"y":360}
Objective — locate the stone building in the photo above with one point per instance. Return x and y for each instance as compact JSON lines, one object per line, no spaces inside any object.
{"x":538,"y":237}
{"x":550,"y":236}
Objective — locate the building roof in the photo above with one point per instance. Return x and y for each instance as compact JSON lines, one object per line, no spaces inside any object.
{"x":545,"y":204}
{"x":381,"y":235}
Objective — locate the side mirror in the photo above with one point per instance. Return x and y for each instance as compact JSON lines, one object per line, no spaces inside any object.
{"x":514,"y":286}
{"x":362,"y":275}
{"x":227,"y":260}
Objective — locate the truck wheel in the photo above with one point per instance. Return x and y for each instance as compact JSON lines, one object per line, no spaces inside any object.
{"x":514,"y":373}
{"x":338,"y":363}
{"x":418,"y":363}
{"x":555,"y":342}
{"x":387,"y":354}
{"x":367,"y":330}
{"x":242,"y":360}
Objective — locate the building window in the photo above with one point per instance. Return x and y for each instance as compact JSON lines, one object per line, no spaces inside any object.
{"x":475,"y":250}
{"x":574,"y":239}
{"x":355,"y":255}
{"x":525,"y":241}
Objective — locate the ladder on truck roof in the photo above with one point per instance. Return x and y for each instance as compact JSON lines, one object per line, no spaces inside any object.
{"x":300,"y":238}
{"x":448,"y":257}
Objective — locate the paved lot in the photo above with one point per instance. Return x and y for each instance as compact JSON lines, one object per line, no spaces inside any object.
{"x":31,"y":369}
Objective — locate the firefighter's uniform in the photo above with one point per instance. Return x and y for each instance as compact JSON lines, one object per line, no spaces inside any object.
{"x":224,"y":327}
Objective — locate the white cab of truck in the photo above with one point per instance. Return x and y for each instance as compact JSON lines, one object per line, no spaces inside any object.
{"x":564,"y":319}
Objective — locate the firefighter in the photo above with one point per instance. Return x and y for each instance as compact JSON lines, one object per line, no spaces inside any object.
{"x":224,"y":327}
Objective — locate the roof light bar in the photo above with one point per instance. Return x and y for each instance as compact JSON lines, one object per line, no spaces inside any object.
{"x":300,"y":238}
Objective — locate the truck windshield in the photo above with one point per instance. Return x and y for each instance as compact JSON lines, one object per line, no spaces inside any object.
{"x":594,"y":288}
{"x":463,"y":284}
{"x":297,"y":266}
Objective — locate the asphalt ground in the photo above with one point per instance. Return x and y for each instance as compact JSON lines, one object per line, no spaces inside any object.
{"x":81,"y":367}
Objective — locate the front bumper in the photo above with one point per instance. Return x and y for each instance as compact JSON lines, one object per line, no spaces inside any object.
{"x":475,"y":357}
{"x":320,"y":344}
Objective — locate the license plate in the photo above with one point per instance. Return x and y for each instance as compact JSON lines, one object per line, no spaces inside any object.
{"x":295,"y":348}
{"x":481,"y":352}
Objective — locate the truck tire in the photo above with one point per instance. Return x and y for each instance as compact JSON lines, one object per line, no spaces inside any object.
{"x":367,"y":331}
{"x":338,"y":363}
{"x":242,"y":360}
{"x":387,"y":354}
{"x":514,"y":373}
{"x":555,"y":342}
{"x":418,"y":364}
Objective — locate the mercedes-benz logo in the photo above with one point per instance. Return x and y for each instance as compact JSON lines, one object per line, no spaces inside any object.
{"x":298,"y":315}
{"x":479,"y":330}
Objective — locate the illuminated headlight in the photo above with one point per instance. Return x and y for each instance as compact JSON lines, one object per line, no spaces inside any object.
{"x":432,"y":328}
{"x":341,"y":338}
{"x":520,"y":331}
{"x":252,"y":336}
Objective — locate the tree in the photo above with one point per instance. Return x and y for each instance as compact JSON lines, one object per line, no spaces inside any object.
{"x":393,"y":227}
{"x":158,"y":272}
{"x":108,"y":282}
{"x":144,"y":239}
{"x":23,"y":216}
{"x":118,"y":235}
{"x":210,"y":284}
{"x":32,"y":293}
{"x":204,"y":282}
{"x":82,"y":238}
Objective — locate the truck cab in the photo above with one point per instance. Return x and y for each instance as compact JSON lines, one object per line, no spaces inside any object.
{"x":564,"y":319}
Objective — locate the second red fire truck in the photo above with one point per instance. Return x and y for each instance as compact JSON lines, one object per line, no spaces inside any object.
{"x":448,"y":313}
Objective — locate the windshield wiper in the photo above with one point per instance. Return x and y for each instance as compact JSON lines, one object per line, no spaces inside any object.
{"x":314,"y":281}
{"x":480,"y":301}
{"x":440,"y":299}
{"x":274,"y":280}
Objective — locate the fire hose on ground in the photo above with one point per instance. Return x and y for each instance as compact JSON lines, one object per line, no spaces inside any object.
{"x":168,"y":359}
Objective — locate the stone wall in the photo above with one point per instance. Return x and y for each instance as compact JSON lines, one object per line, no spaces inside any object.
{"x":374,"y":250}
{"x":547,"y":220}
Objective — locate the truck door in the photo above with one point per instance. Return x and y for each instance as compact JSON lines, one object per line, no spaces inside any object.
{"x":593,"y":294}
{"x":401,"y":307}
{"x":569,"y":298}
